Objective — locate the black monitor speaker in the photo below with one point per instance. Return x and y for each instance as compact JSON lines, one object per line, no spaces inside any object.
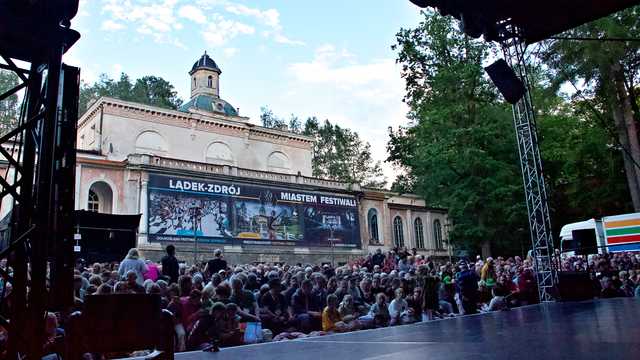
{"x":506,"y":81}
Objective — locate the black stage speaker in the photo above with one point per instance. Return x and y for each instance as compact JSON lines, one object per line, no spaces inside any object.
{"x":584,"y":241}
{"x":575,"y":286}
{"x":506,"y":81}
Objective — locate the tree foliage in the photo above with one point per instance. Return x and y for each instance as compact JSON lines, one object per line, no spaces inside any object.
{"x":150,"y":90}
{"x":458,"y":152}
{"x":607,"y":74}
{"x":338,"y":153}
{"x":9,"y":106}
{"x":459,"y":149}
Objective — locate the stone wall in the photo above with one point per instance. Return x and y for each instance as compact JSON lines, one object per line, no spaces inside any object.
{"x":251,"y":254}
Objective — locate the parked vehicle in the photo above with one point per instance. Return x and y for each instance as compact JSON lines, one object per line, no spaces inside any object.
{"x":609,"y":234}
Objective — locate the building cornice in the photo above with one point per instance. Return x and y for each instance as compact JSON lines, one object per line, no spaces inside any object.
{"x":199,"y":121}
{"x":100,"y":162}
{"x":204,"y":170}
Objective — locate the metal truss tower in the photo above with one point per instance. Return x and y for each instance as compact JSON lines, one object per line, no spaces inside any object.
{"x":39,"y":153}
{"x":532,"y":175}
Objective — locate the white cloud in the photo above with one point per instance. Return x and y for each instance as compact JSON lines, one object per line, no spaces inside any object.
{"x":155,"y":19}
{"x":229,"y":52}
{"x":110,"y":25}
{"x":82,"y":9}
{"x":366,"y":97}
{"x":116,"y":70}
{"x":158,"y":20}
{"x":88,"y":71}
{"x":220,"y":30}
{"x":192,"y":13}
{"x":269,"y":17}
{"x":279,"y":38}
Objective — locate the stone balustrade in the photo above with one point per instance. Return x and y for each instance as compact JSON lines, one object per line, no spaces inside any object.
{"x":177,"y":164}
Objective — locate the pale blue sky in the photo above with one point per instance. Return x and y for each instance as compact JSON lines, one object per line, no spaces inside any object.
{"x":331,"y":59}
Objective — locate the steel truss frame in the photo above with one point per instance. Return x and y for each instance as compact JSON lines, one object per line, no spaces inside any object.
{"x":524,"y":121}
{"x":42,"y":155}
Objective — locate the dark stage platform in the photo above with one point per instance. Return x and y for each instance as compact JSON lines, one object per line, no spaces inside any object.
{"x":603,"y":329}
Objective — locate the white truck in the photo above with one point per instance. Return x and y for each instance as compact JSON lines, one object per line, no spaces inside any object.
{"x":612,"y":234}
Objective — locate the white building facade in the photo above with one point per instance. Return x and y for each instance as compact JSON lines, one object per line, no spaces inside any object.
{"x":204,"y":177}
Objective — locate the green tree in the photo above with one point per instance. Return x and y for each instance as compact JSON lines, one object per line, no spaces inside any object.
{"x":338,"y":153}
{"x":459,"y":150}
{"x":150,"y":90}
{"x":270,"y":120}
{"x":584,"y":171}
{"x":610,"y":74}
{"x":156,"y":91}
{"x":9,"y":106}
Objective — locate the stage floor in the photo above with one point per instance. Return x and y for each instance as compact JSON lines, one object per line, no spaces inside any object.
{"x":602,"y":329}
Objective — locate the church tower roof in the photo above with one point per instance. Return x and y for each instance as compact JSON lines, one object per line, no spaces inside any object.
{"x":205,"y":62}
{"x":205,"y":89}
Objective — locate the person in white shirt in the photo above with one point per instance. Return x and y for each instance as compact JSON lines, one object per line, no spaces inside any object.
{"x":398,"y":307}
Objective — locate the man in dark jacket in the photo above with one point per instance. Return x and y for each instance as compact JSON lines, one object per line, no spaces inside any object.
{"x":170,"y":266}
{"x":216,"y":264}
{"x":468,"y":288}
{"x":378,"y":258}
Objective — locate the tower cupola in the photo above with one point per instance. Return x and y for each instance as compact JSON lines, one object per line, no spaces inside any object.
{"x":205,"y":89}
{"x":205,"y":77}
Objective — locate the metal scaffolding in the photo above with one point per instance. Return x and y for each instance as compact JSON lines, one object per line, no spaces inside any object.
{"x":532,"y":175}
{"x":39,"y":153}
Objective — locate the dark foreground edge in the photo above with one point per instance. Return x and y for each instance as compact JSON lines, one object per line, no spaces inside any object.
{"x":601,"y":329}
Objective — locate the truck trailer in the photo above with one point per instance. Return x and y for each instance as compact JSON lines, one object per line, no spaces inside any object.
{"x":610,"y":234}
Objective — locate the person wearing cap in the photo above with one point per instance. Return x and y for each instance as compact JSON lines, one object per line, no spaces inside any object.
{"x":468,"y":289}
{"x":216,"y":264}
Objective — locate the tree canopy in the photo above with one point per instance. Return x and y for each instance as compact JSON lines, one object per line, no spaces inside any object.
{"x":459,"y":151}
{"x":338,"y":153}
{"x":9,"y":106}
{"x":150,"y":90}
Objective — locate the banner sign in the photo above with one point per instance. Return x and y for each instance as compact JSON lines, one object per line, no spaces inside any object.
{"x":183,"y":209}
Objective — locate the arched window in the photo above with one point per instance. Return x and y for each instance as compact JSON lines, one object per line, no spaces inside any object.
{"x":278,"y":160}
{"x":210,"y":81}
{"x":100,"y":198}
{"x":219,"y":153}
{"x":151,"y":142}
{"x":417,"y":225}
{"x":194,"y":82}
{"x":437,"y":234}
{"x":93,"y":203}
{"x":398,"y":236}
{"x":373,"y":225}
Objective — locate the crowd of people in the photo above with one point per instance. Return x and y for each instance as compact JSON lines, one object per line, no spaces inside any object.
{"x":215,"y":303}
